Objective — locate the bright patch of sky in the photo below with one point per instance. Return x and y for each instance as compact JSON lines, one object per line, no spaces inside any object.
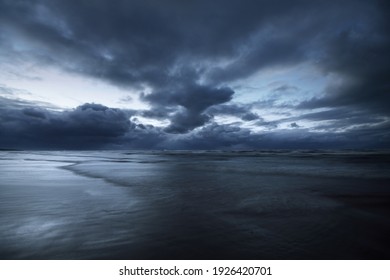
{"x":148,"y":121}
{"x":286,"y":84}
{"x":66,"y":90}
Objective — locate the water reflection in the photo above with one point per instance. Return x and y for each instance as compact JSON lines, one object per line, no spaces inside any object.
{"x":112,"y":205}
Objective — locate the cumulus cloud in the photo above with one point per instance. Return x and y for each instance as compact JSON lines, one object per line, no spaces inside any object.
{"x":88,"y":126}
{"x":92,"y":126}
{"x":193,"y":100}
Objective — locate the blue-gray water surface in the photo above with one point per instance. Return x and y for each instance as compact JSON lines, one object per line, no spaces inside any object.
{"x":194,"y":205}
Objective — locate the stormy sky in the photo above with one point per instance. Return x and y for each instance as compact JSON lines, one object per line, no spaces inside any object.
{"x":172,"y":74}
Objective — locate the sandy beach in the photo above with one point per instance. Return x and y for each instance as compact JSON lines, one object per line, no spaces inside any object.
{"x":116,"y":205}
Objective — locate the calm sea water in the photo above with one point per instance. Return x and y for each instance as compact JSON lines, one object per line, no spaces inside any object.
{"x":195,"y":205}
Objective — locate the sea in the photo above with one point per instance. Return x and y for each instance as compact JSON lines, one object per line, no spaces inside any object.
{"x":263,"y":204}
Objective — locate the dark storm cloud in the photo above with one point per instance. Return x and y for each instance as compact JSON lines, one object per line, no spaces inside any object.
{"x":186,"y":54}
{"x":91,"y":126}
{"x":88,"y":126}
{"x":34,"y":112}
{"x":360,"y":57}
{"x":193,"y":101}
{"x":250,"y":116}
{"x":164,"y":42}
{"x":157,"y":112}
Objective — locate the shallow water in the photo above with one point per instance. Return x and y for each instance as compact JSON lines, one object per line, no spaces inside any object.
{"x":195,"y":205}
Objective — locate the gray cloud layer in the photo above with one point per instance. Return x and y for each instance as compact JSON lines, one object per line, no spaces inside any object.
{"x":186,"y":55}
{"x":94,"y":126}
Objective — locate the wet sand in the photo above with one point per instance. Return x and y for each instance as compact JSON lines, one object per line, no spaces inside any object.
{"x":112,"y":205}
